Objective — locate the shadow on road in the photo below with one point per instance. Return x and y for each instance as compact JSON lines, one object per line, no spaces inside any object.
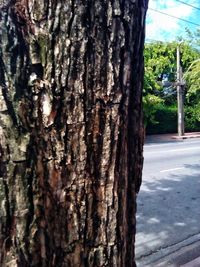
{"x":168,"y":210}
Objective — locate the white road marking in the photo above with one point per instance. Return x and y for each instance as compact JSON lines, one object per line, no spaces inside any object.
{"x":175,"y":150}
{"x":174,"y":169}
{"x":168,"y":144}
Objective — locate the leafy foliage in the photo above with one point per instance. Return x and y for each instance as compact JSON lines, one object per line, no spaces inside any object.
{"x":160,"y":58}
{"x":192,"y":77}
{"x":160,"y":102}
{"x":166,"y":117}
{"x":151,"y":104}
{"x":193,"y":38}
{"x":192,"y":117}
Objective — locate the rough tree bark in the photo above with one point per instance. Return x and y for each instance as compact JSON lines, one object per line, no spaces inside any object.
{"x":70,"y":131}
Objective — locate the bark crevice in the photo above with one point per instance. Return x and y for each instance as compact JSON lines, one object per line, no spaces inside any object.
{"x":71,"y":132}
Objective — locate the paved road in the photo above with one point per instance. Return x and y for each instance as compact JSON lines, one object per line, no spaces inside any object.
{"x":169,"y":200}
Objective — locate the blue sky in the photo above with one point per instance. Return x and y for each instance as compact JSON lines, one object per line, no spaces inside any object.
{"x":164,"y":28}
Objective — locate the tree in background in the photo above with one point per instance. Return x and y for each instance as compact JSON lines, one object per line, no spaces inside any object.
{"x":160,"y":67}
{"x":192,"y":77}
{"x":71,"y":132}
{"x":193,"y":37}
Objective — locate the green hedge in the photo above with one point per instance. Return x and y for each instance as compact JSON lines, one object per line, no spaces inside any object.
{"x":166,"y":120}
{"x":192,"y":118}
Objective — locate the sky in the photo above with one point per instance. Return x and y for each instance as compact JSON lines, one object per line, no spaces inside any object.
{"x":164,"y":28}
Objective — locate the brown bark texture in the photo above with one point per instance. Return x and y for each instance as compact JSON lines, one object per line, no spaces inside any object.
{"x":70,"y":131}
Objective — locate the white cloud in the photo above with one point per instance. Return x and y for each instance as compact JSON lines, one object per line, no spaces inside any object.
{"x":163,"y":27}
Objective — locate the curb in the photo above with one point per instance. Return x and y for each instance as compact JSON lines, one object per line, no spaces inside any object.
{"x":178,"y":255}
{"x":157,"y":138}
{"x":185,"y":137}
{"x":194,"y":263}
{"x":186,"y":257}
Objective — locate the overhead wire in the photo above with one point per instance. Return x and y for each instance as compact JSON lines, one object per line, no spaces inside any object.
{"x":169,"y":15}
{"x":172,"y":16}
{"x":153,"y":40}
{"x":184,"y":3}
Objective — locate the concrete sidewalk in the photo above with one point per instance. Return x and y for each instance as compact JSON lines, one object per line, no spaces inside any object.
{"x":187,"y":256}
{"x":170,"y":137}
{"x":194,"y":263}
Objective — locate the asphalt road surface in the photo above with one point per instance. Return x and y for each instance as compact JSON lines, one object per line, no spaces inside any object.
{"x":169,"y":200}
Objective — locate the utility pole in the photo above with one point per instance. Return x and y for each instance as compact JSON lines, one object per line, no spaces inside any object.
{"x":180,"y":85}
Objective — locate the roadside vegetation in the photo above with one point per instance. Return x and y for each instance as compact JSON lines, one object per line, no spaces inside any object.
{"x":159,"y":97}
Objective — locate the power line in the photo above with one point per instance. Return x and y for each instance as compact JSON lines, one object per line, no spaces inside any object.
{"x":166,"y":14}
{"x":182,"y":2}
{"x":150,"y":41}
{"x":153,"y":40}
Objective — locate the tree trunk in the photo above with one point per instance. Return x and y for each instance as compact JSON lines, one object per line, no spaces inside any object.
{"x":71,"y":131}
